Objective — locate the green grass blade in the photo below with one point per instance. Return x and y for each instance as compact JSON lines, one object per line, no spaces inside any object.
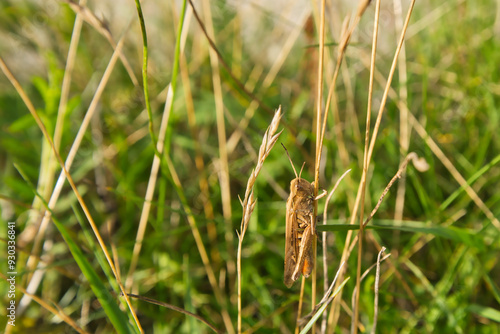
{"x":470,"y":181}
{"x":465,"y":236}
{"x":485,"y":312}
{"x":99,"y":254}
{"x":107,"y":301}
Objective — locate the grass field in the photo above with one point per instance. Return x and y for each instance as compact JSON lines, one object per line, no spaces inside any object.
{"x":176,"y":184}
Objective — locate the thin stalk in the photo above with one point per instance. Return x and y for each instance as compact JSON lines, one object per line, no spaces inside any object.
{"x":198,"y":159}
{"x":346,"y":253}
{"x":301,"y":299}
{"x":404,"y":129}
{"x":354,"y":328}
{"x":325,"y":262}
{"x":177,"y":309}
{"x":42,"y":127}
{"x":46,"y":178}
{"x":39,"y":239}
{"x":319,"y":143}
{"x":223,"y":165}
{"x":248,"y":202}
{"x":145,"y":74}
{"x":159,"y":145}
{"x":199,"y":243}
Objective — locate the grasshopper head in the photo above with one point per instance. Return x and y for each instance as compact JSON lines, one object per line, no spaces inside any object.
{"x":301,"y":187}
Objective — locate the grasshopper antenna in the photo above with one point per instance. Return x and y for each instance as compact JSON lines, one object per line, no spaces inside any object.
{"x":300,"y":173}
{"x":292,"y":162}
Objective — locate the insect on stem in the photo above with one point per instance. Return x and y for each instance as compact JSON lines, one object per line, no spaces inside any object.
{"x":300,"y":228}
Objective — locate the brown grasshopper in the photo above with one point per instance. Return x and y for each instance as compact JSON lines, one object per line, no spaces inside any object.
{"x":300,"y":227}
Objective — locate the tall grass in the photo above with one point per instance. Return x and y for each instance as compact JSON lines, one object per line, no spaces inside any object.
{"x":157,"y":168}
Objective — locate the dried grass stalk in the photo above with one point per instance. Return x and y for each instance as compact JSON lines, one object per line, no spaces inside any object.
{"x":248,"y":202}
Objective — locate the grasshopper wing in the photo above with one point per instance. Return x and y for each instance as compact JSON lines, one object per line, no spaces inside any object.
{"x":290,"y":242}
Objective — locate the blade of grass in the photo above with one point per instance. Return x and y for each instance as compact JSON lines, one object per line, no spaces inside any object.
{"x":145,"y":73}
{"x":172,"y":175}
{"x":454,"y":172}
{"x":107,"y":301}
{"x":469,"y":182}
{"x":485,"y":312}
{"x":158,"y":146}
{"x":223,"y":163}
{"x":376,"y":287}
{"x":269,"y":139}
{"x":102,"y":27}
{"x":98,"y":253}
{"x":68,"y":176}
{"x":175,"y":308}
{"x":319,"y":144}
{"x":366,"y":164}
{"x":465,"y":236}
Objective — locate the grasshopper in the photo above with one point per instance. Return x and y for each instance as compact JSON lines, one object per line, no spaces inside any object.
{"x":300,"y":227}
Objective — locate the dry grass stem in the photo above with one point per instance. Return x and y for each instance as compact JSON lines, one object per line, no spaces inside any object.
{"x":389,"y":81}
{"x":177,"y":309}
{"x":319,"y":142}
{"x":84,"y":207}
{"x":66,"y":83}
{"x":453,"y":171}
{"x":101,"y":27}
{"x":248,"y":202}
{"x":354,"y":293}
{"x":200,"y":164}
{"x":201,"y":249}
{"x":419,"y":163}
{"x":325,"y":262}
{"x":223,"y":163}
{"x":326,"y":299}
{"x":301,"y":302}
{"x":375,"y":302}
{"x":404,"y":130}
{"x":365,"y":161}
{"x":31,"y":262}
